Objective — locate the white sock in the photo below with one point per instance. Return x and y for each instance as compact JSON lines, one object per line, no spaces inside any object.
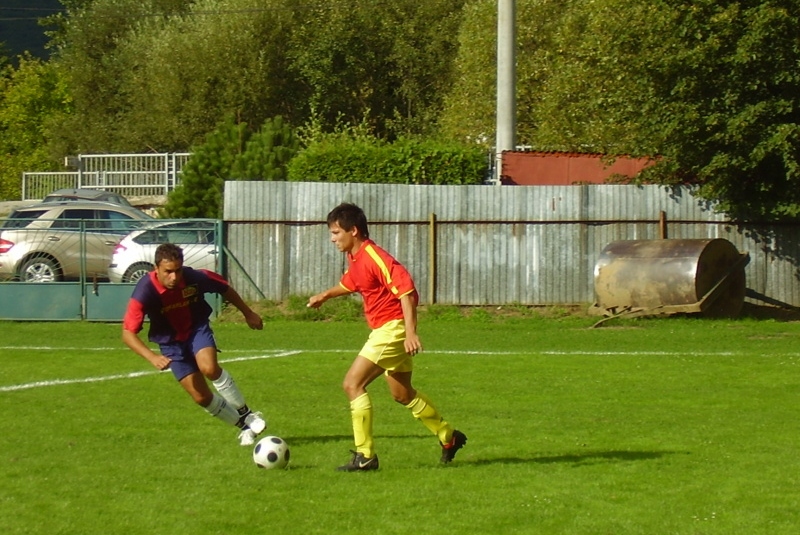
{"x":227,"y":388}
{"x":221,"y":409}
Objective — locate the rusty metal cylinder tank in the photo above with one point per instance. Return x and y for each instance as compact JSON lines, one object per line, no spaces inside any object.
{"x":679,"y":275}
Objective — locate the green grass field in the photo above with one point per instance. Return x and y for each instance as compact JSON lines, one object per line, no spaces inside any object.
{"x":660,"y":426}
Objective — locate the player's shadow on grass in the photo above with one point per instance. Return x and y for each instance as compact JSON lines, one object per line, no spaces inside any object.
{"x":581,"y":459}
{"x":318,"y":439}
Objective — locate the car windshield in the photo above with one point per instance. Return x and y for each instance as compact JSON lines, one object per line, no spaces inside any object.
{"x":20,"y":219}
{"x":189,"y":232}
{"x":95,"y":220}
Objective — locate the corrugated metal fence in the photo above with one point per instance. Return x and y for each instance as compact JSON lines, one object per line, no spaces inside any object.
{"x":483,"y":245}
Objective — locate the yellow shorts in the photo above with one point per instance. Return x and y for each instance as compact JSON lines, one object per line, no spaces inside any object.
{"x":385,"y":348}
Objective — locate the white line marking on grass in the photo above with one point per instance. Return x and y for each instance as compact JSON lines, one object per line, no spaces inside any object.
{"x":283,"y":353}
{"x":55,"y":382}
{"x":49,"y":348}
{"x":291,"y":352}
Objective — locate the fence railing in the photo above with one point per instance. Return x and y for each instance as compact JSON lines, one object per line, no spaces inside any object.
{"x":131,"y":175}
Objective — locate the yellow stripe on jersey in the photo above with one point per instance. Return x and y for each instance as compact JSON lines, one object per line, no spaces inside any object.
{"x":345,"y":287}
{"x":382,"y":266}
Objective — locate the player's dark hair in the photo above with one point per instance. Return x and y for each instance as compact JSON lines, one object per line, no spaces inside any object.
{"x":169,"y":252}
{"x":347,"y":216}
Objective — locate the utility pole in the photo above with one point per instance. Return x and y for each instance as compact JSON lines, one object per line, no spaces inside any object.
{"x":506,"y":83}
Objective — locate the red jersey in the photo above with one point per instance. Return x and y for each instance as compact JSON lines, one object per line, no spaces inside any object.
{"x":381,"y":280}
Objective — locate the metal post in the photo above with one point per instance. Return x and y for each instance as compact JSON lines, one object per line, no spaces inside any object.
{"x":432,"y":259}
{"x":80,"y":172}
{"x":169,"y":166}
{"x":506,"y":83}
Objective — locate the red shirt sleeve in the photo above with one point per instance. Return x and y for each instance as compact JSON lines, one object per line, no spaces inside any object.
{"x":347,"y":283}
{"x":134,"y":317}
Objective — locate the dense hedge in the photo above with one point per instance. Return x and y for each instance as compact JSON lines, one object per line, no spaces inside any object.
{"x":402,"y":162}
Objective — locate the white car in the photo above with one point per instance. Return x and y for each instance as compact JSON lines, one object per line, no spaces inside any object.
{"x":134,"y":255}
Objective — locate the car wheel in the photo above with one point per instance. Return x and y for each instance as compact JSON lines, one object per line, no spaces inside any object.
{"x":40,"y":269}
{"x":137,"y":271}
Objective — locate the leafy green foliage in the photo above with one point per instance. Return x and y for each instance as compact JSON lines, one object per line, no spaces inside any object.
{"x":267,"y":152}
{"x":231,"y":152}
{"x":710,"y":88}
{"x":191,"y":63}
{"x":388,"y":61}
{"x":341,"y":158}
{"x":186,"y":63}
{"x":224,"y":58}
{"x":31,"y":97}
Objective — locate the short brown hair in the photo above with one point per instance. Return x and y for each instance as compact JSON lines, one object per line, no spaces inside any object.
{"x":169,"y":252}
{"x":348,"y":215}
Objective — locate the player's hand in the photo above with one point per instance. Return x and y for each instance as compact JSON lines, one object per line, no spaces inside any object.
{"x":315,"y":301}
{"x":161,"y":362}
{"x":412,"y":344}
{"x":254,"y":321}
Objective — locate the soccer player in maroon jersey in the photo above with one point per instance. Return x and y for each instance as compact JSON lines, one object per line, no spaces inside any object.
{"x":172,"y":296}
{"x":390,"y":306}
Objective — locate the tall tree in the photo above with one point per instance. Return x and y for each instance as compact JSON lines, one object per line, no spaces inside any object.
{"x":188,"y":63}
{"x":90,"y":52}
{"x":470,"y":101}
{"x":31,"y":97}
{"x":232,"y":151}
{"x":222,"y":58}
{"x":387,"y":62}
{"x":711,"y":88}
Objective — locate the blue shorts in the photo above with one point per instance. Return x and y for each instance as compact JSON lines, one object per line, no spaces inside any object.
{"x":183,"y":354}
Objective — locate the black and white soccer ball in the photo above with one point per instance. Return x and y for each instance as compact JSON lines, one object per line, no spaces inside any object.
{"x":271,"y":452}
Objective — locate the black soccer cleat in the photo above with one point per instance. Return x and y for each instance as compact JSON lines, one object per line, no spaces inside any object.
{"x":450,"y":449}
{"x":359,"y":463}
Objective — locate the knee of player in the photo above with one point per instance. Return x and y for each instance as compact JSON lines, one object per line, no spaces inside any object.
{"x":204,"y":400}
{"x":352,"y":389}
{"x":347,"y":386}
{"x":404,"y":398}
{"x":211,"y":370}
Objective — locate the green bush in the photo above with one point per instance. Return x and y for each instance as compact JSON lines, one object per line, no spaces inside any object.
{"x":338,"y":158}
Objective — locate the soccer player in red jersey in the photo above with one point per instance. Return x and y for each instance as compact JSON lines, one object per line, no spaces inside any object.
{"x":172,"y":296}
{"x":390,"y":306}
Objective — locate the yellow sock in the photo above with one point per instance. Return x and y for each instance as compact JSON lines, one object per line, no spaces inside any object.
{"x":423,"y":410}
{"x":361,"y":412}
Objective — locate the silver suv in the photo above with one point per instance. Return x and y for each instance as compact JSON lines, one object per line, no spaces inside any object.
{"x":51,"y":242}
{"x":83,"y":194}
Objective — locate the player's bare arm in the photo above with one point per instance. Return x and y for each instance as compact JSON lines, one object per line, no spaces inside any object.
{"x":412,"y":343}
{"x":315,"y":301}
{"x":253,"y":320}
{"x":132,"y":340}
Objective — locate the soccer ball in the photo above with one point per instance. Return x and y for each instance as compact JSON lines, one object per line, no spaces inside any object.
{"x":271,"y":452}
